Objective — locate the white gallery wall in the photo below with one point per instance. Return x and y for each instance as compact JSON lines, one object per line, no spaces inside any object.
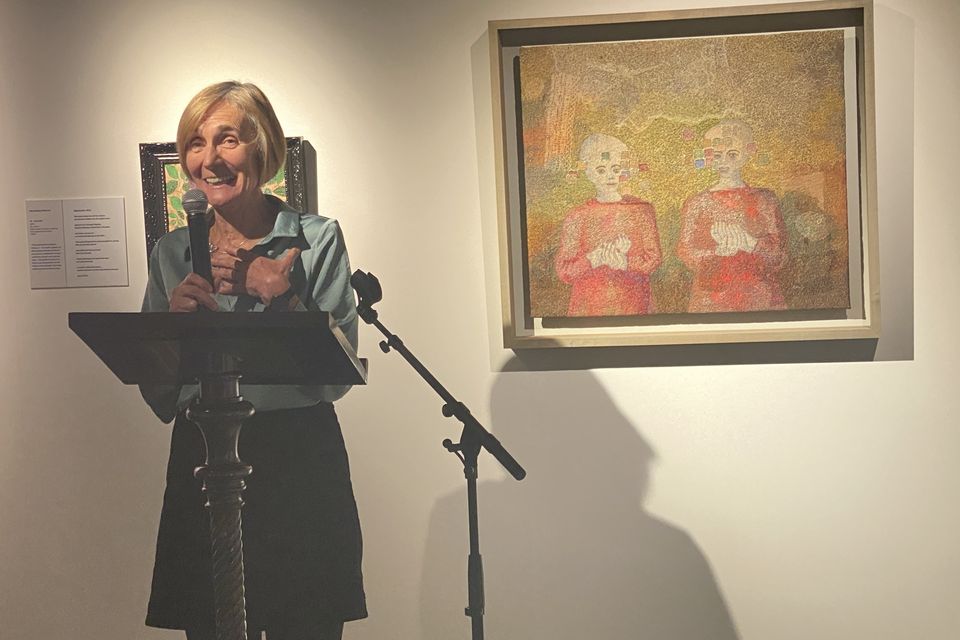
{"x":800,"y":499}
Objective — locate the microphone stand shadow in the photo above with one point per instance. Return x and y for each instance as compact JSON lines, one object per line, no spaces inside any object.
{"x":576,"y":554}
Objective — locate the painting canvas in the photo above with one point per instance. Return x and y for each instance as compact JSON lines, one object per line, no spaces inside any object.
{"x":686,"y":175}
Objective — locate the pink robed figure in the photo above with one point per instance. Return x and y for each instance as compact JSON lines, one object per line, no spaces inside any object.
{"x":732,"y":236}
{"x":609,"y":245}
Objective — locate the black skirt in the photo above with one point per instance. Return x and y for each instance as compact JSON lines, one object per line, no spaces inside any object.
{"x":301,"y":534}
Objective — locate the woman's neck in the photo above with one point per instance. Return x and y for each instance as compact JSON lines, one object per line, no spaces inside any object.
{"x":247,"y":220}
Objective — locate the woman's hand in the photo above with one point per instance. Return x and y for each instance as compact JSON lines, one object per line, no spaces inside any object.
{"x":190,"y":294}
{"x":243,"y":272}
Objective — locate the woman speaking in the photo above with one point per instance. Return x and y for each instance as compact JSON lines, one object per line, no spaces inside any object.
{"x":301,"y":532}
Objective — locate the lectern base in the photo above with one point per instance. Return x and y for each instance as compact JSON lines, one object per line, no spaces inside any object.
{"x":219,"y":413}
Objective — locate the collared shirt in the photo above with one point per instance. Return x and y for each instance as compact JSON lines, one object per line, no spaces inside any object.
{"x":320,"y":278}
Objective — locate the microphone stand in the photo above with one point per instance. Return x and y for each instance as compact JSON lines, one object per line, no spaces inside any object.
{"x":473,"y":438}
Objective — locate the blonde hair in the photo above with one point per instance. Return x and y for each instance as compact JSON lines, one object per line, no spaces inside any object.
{"x":270,"y":145}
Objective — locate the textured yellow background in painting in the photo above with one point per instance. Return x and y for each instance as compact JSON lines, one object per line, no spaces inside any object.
{"x":659,"y":98}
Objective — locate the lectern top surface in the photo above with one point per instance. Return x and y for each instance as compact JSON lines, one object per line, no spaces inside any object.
{"x":174,"y":348}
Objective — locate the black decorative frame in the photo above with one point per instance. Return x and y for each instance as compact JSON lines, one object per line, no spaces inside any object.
{"x":155,"y":156}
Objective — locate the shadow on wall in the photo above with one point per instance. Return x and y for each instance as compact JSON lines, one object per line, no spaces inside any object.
{"x":570,"y":552}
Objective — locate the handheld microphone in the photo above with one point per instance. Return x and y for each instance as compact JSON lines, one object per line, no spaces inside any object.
{"x":195,"y":204}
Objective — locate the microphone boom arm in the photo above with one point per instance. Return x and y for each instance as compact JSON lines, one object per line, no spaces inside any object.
{"x":369,"y":292}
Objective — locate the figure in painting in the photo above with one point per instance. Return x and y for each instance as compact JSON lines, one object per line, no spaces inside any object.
{"x":609,"y":245}
{"x":732,"y":235}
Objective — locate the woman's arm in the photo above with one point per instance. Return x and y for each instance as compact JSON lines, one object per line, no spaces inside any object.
{"x":331,"y":291}
{"x":161,"y":398}
{"x":327,"y":268}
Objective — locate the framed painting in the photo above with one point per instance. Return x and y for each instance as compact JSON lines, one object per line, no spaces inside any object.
{"x":164,"y":182}
{"x":687,"y":176}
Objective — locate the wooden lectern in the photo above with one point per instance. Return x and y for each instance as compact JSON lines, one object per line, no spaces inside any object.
{"x":216,"y":350}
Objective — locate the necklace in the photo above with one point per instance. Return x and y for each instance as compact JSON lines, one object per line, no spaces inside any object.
{"x":214,"y":248}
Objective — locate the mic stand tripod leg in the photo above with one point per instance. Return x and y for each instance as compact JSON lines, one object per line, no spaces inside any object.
{"x":468,"y":450}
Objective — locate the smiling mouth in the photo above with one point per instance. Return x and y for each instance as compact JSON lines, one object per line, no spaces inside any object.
{"x":218,"y":180}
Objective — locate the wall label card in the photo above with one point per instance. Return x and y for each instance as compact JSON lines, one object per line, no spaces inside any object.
{"x":79,"y":242}
{"x":45,"y":244}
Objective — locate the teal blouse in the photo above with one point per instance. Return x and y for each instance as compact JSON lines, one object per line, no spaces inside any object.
{"x":320,"y":278}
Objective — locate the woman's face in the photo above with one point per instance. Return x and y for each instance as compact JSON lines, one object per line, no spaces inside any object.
{"x":222,"y":159}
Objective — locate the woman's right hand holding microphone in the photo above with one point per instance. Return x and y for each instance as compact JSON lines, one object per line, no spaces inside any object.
{"x":191,"y":294}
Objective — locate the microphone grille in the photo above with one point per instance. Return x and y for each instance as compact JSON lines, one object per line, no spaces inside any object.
{"x":194,"y":203}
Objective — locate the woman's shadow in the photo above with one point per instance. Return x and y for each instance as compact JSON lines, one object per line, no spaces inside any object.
{"x":569,"y":552}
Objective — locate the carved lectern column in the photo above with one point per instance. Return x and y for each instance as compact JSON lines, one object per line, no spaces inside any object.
{"x":219,"y":413}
